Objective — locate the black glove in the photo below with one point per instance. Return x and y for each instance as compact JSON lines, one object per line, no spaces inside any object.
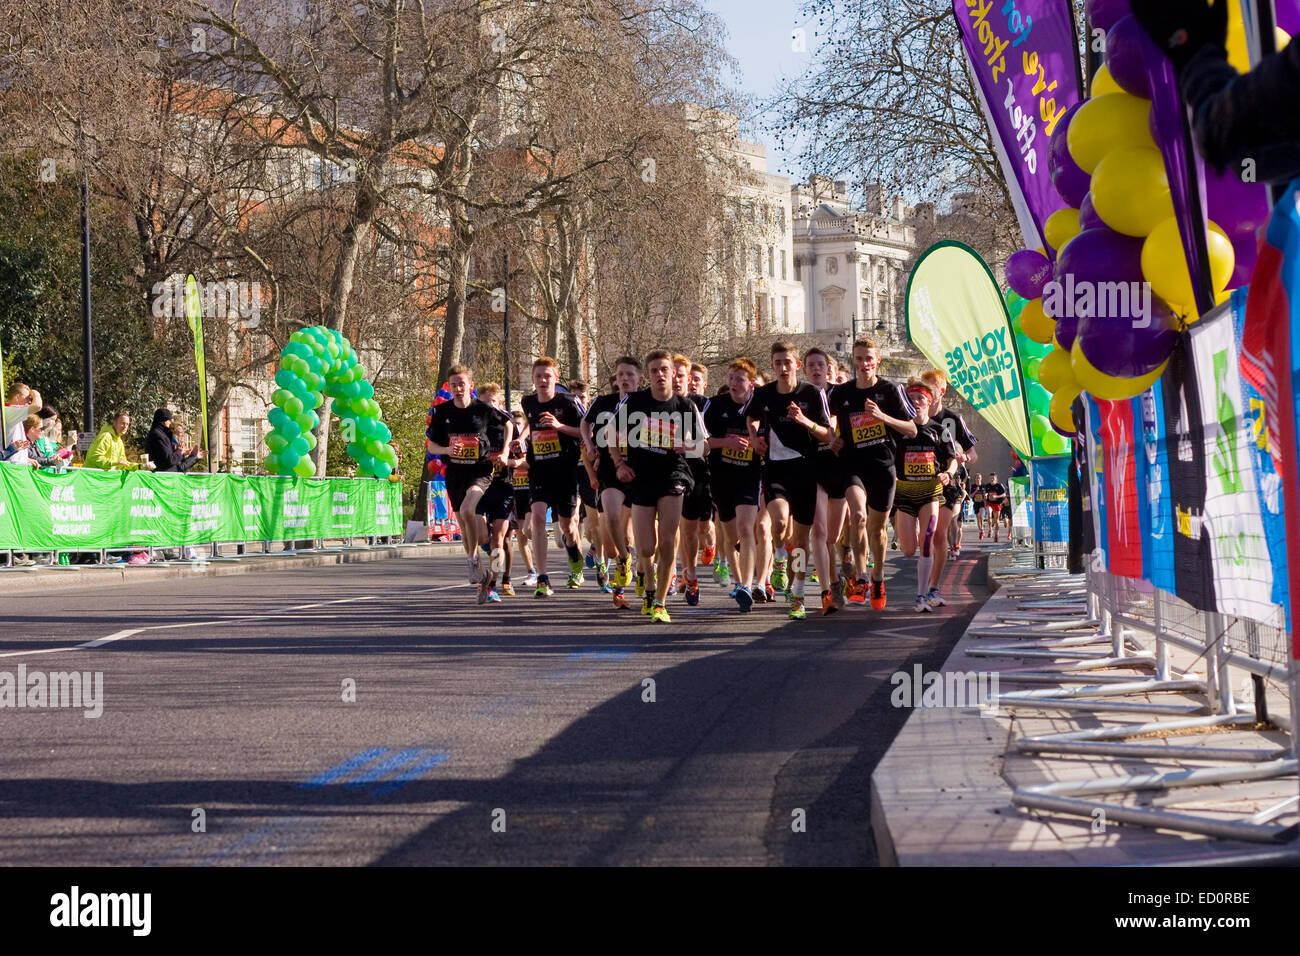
{"x":1180,"y":28}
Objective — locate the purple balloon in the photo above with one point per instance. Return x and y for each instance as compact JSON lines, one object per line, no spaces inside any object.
{"x":1128,"y":49}
{"x":1104,"y":14}
{"x":1128,"y":346}
{"x":1239,"y":209}
{"x":1093,"y":257}
{"x":1070,"y":181}
{"x":1288,"y":16}
{"x":1027,"y":272}
{"x":1088,"y":218}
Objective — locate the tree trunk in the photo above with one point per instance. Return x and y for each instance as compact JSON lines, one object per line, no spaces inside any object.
{"x":571,"y":345}
{"x":354,"y":238}
{"x":453,"y":338}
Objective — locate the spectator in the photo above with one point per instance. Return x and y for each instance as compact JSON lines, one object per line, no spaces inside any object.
{"x":163,"y":444}
{"x":108,"y":451}
{"x":17,"y":408}
{"x":44,"y":451}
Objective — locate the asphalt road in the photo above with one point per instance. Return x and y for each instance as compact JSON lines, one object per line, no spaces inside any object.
{"x":512,"y":734}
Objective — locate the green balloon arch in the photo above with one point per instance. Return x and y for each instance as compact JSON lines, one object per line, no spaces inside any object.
{"x":317,"y":362}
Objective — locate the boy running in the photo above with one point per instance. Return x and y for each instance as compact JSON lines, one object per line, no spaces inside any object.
{"x":737,"y":474}
{"x":613,"y":493}
{"x":958,"y":435}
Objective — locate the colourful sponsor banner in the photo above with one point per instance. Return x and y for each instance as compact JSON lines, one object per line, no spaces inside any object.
{"x":1118,"y":453}
{"x":90,"y":509}
{"x":1051,"y":500}
{"x":1025,"y":59}
{"x":1231,"y":525}
{"x":1269,"y":356}
{"x":194,"y":318}
{"x":1096,"y":481}
{"x":957,"y":317}
{"x":1153,"y":479}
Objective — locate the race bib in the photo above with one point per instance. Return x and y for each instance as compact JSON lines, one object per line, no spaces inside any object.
{"x":918,"y":465}
{"x":660,"y":433}
{"x":866,"y":427}
{"x":738,"y":454}
{"x":464,"y":448}
{"x":546,"y":441}
{"x":521,"y":481}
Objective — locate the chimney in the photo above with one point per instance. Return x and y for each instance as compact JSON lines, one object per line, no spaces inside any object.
{"x":899,"y":209}
{"x":874,"y":199}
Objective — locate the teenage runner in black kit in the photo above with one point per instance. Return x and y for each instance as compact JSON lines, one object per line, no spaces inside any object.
{"x":830,"y":481}
{"x":871,"y":413}
{"x":613,"y":493}
{"x":554,"y":421}
{"x":461,"y":433}
{"x":955,"y":431}
{"x":662,"y":429}
{"x":497,"y":502}
{"x":925,"y":464}
{"x":797,"y":421}
{"x":737,"y":473}
{"x":697,"y":506}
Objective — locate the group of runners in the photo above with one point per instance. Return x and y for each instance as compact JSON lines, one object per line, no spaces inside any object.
{"x":770,"y":483}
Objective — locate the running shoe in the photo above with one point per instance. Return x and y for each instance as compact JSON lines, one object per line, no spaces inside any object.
{"x":921,"y":604}
{"x":934,"y":598}
{"x":828,"y":604}
{"x":877,"y":595}
{"x":659,"y":615}
{"x":575,"y":580}
{"x":590,"y":558}
{"x":724,"y":579}
{"x":602,"y":578}
{"x":575,"y":571}
{"x":779,"y":578}
{"x":744,"y":600}
{"x":857,"y":591}
{"x":708,"y":554}
{"x":837,"y":592}
{"x":543,"y":589}
{"x":893,"y":545}
{"x":758,"y":596}
{"x":956,"y":553}
{"x":721,"y":572}
{"x":620,"y":601}
{"x":531,"y":580}
{"x":483,"y":590}
{"x":623,"y":574}
{"x":672,"y":586}
{"x":640,"y":585}
{"x":770,"y":592}
{"x":493,"y":596}
{"x":475,"y":576}
{"x":812,"y":576}
{"x":647,"y":602}
{"x":507,"y":590}
{"x":692,"y":592}
{"x":797,"y":613}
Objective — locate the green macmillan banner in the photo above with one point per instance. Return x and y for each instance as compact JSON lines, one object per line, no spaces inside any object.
{"x":88,"y":509}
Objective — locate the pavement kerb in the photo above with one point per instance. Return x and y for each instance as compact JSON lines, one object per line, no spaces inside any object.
{"x":62,"y":578}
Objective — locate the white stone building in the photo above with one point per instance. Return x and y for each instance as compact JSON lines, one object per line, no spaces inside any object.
{"x":852,"y":264}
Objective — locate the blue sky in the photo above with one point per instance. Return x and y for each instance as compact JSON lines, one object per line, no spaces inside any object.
{"x":760,"y":38}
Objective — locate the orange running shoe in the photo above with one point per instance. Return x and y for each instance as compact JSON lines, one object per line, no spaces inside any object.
{"x":619,"y":600}
{"x":828,"y":604}
{"x":707,"y":555}
{"x":856,"y":591}
{"x":877,"y":595}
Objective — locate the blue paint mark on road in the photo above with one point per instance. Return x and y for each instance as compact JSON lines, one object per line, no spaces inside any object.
{"x":380,"y":770}
{"x":345,"y":768}
{"x":603,"y":653}
{"x":407,"y":776}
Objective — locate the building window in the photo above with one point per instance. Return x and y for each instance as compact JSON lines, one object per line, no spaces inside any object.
{"x":832,"y":265}
{"x":866,"y":271}
{"x":771,"y":261}
{"x":797,"y":277}
{"x":780,"y":219}
{"x":783,"y":276}
{"x":251,"y":439}
{"x":785,"y":307}
{"x":758,"y":260}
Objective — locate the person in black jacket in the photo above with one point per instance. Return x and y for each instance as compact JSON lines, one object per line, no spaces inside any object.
{"x":1235,"y":117}
{"x":162,"y":449}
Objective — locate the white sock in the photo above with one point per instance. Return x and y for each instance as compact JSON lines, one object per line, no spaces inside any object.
{"x":797,"y":587}
{"x":780,"y":554}
{"x":924,"y":564}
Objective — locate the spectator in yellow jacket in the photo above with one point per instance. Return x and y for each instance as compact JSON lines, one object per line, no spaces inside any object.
{"x":108,"y":451}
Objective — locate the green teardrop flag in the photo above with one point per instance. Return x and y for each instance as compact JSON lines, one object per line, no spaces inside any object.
{"x":194,"y":317}
{"x":957,"y":317}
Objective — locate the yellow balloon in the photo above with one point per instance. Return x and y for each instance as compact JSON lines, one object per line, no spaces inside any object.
{"x":1058,"y":409}
{"x":1130,"y":190}
{"x":1165,"y":266}
{"x":1103,"y":83}
{"x":1054,"y":371}
{"x":1035,"y":323}
{"x":1100,"y":385}
{"x":1238,"y":55}
{"x":1061,"y":226}
{"x":1106,"y":123}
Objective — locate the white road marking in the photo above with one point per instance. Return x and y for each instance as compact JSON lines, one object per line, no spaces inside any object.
{"x":119,"y":635}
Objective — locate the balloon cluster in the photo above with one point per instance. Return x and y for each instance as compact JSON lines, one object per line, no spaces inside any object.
{"x":317,"y":362}
{"x":1045,"y":440}
{"x":1120,"y":289}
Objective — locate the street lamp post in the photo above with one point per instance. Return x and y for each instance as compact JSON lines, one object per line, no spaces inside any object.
{"x":505,"y":323}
